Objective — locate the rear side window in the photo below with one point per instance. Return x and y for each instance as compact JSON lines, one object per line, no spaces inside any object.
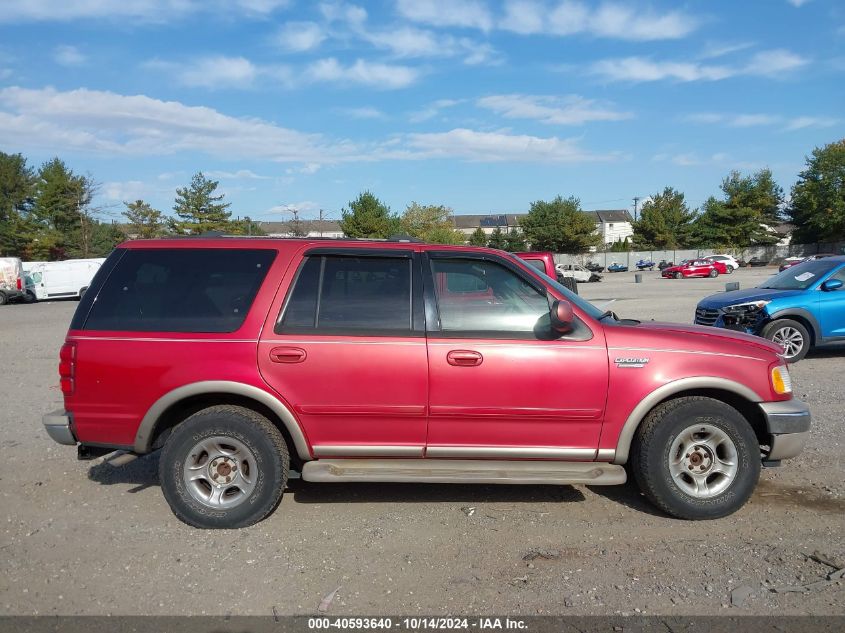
{"x":350,"y":295}
{"x":180,"y":290}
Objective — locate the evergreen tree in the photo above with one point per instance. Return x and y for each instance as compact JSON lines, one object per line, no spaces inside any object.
{"x":143,"y":221}
{"x":514,"y":241}
{"x":367,"y":216}
{"x":61,"y":198}
{"x":431,"y":223}
{"x":478,"y":237}
{"x":559,"y":226}
{"x":199,"y":209}
{"x":665,"y":222}
{"x":817,"y":207}
{"x":497,"y":239}
{"x":17,"y":188}
{"x":759,"y":192}
{"x":725,"y":227}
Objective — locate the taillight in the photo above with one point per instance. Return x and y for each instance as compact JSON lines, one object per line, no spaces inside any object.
{"x":67,"y":368}
{"x":20,"y":284}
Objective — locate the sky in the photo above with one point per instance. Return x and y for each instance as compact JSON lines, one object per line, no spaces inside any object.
{"x":481,"y":105}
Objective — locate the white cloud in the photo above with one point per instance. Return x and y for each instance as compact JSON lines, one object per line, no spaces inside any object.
{"x":365,"y":112}
{"x":497,"y":147}
{"x":126,"y":191}
{"x":610,"y":20}
{"x":733,"y":120}
{"x":241,"y":174}
{"x":298,"y":37}
{"x":568,"y":110}
{"x":797,"y":3}
{"x":720,"y":49}
{"x":69,"y":56}
{"x":342,"y":12}
{"x":460,"y":13}
{"x":802,"y":122}
{"x":433,"y":109}
{"x":772,"y":63}
{"x":144,"y":10}
{"x":377,"y":75}
{"x":408,"y":41}
{"x":219,"y":72}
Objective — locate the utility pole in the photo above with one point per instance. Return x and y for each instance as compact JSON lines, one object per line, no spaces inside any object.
{"x":321,"y":223}
{"x":636,"y":202}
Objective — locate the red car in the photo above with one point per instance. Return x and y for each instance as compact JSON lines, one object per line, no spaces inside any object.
{"x":695,"y":268}
{"x":810,"y":258}
{"x":243,"y":359}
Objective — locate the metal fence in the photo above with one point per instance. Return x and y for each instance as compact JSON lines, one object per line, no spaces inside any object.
{"x":771,"y":254}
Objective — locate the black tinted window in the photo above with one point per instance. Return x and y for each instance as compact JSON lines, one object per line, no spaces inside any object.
{"x":350,"y":294}
{"x":180,"y":290}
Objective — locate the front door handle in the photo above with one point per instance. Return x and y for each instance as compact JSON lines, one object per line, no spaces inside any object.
{"x":287,"y":355}
{"x":464,"y":358}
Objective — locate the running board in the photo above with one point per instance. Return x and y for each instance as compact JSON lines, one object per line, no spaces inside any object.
{"x":464,"y":471}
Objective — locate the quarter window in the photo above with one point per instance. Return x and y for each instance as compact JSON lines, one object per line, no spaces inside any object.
{"x":350,"y":295}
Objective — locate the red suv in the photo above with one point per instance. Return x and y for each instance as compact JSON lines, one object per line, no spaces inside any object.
{"x":244,"y":358}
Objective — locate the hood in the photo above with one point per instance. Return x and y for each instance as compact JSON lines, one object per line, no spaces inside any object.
{"x":722,"y":299}
{"x":713,"y":336}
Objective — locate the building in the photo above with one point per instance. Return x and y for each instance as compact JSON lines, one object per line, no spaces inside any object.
{"x":307,"y":228}
{"x":612,"y":224}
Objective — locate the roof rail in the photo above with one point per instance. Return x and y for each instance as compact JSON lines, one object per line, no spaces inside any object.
{"x":401,"y":237}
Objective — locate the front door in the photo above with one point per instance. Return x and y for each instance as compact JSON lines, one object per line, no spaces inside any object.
{"x":347,"y":353}
{"x":832,"y":308}
{"x":500,"y":384}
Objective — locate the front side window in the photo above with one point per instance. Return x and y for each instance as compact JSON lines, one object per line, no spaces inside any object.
{"x":502,"y":301}
{"x":350,"y":295}
{"x":180,"y":290}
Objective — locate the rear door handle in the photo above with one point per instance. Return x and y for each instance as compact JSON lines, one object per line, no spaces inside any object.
{"x":287,"y":355}
{"x":464,"y":358}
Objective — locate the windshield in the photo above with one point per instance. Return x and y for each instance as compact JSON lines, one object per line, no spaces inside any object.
{"x":800,"y":277}
{"x":585,"y":305}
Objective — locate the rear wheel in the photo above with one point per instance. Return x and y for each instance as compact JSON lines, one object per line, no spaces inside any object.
{"x":679,"y":275}
{"x":29,"y":297}
{"x":713,"y":273}
{"x":791,"y":335}
{"x":224,"y":467}
{"x":696,"y":458}
{"x":3,"y":298}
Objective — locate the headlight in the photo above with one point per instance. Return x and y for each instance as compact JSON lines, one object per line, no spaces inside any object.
{"x":781,"y":382}
{"x":751,"y":306}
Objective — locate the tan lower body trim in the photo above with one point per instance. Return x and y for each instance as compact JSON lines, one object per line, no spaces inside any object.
{"x":522,"y":452}
{"x":361,"y":450}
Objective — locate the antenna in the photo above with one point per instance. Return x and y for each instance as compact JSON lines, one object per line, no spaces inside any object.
{"x":636,"y":202}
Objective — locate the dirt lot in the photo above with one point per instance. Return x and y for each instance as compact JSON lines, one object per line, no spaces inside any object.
{"x":86,"y":538}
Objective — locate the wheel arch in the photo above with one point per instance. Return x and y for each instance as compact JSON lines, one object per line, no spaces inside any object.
{"x":733,"y":393}
{"x":804,"y":317}
{"x":176,"y":405}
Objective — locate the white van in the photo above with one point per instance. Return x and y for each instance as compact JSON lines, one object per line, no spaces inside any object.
{"x":12,"y":284}
{"x":55,"y":280}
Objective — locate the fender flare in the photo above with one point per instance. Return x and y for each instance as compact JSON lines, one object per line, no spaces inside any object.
{"x":143,"y":437}
{"x":804,"y":314}
{"x":626,"y":436}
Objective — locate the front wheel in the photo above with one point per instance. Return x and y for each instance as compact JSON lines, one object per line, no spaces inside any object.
{"x":730,"y":270}
{"x":679,"y":275}
{"x":696,"y":458}
{"x":791,"y":335}
{"x":224,"y":467}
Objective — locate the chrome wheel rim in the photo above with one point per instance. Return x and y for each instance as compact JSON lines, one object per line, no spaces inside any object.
{"x":220,"y":472}
{"x":790,"y":339}
{"x":703,"y":461}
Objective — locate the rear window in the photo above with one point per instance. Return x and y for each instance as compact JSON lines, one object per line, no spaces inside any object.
{"x":180,"y":290}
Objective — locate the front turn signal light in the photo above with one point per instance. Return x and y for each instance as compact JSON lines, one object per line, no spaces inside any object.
{"x":781,"y":381}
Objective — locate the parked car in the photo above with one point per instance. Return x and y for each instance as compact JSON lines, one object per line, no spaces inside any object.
{"x":12,"y":283}
{"x":799,"y":308}
{"x":617,"y":268}
{"x":544,"y":261}
{"x":594,"y":267}
{"x":695,"y":268}
{"x":645,"y":264}
{"x":56,"y":280}
{"x":579,"y":273}
{"x":242,"y":359}
{"x":728,"y":260}
{"x":756,"y":262}
{"x":789,"y":262}
{"x":664,"y":264}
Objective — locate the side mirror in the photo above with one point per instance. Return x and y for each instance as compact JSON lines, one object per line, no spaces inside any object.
{"x":562,"y":316}
{"x":832,"y":284}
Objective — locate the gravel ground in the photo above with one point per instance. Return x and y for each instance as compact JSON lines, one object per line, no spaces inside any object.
{"x":86,"y":538}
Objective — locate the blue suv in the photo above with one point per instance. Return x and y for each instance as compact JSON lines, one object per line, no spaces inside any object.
{"x":799,"y":308}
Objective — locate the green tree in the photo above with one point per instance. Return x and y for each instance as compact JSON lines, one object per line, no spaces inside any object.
{"x":199,"y":208}
{"x":431,"y":223}
{"x":17,"y":188}
{"x":759,"y":192}
{"x":817,"y":207}
{"x":247,"y":226}
{"x":497,"y":239}
{"x":478,"y":237}
{"x":514,"y":241}
{"x":620,"y":246}
{"x":725,"y":227}
{"x":104,"y":237}
{"x":559,"y":226}
{"x":665,"y":222}
{"x":367,"y":216}
{"x":143,"y":221}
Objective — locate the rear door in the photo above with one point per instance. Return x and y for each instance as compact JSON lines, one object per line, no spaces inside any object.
{"x":501,"y":385}
{"x":346,"y":349}
{"x":832,"y":308}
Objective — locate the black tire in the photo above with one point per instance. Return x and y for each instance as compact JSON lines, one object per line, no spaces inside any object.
{"x":267,"y":452}
{"x":29,"y":297}
{"x":679,"y":275}
{"x":3,"y":298}
{"x":713,"y":273}
{"x":730,"y":270}
{"x":650,"y":457}
{"x":778,"y":331}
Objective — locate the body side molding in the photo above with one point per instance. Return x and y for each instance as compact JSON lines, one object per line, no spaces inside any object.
{"x":143,"y":437}
{"x":626,"y":436}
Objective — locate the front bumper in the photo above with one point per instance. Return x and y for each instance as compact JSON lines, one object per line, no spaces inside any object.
{"x":788,"y":425}
{"x":58,"y":425}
